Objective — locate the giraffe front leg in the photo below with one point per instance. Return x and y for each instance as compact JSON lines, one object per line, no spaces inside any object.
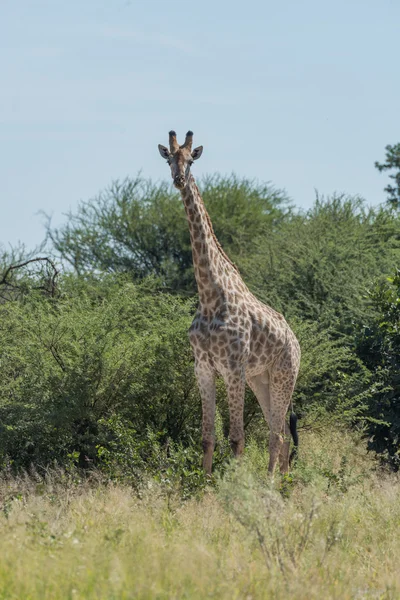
{"x":206,"y":382}
{"x":235,"y":385}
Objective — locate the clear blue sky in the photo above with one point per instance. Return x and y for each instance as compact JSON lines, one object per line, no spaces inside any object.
{"x":304,"y":94}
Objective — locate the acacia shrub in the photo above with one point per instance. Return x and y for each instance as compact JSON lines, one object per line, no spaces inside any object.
{"x":106,"y":368}
{"x":319,"y":265}
{"x":140,"y":228}
{"x":101,"y":348}
{"x":378,"y":345}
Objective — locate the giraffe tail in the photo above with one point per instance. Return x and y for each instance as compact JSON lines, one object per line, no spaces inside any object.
{"x":295,"y":436}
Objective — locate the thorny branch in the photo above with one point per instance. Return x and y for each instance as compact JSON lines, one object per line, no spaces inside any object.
{"x":49,"y":276}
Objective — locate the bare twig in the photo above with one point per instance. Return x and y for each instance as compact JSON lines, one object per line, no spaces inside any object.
{"x":52,"y":272}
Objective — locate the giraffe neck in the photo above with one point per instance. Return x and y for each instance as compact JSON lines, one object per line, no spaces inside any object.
{"x":212,"y":267}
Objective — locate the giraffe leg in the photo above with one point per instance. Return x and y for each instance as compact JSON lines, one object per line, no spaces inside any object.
{"x":206,"y":382}
{"x":285,"y":450}
{"x":260,"y":385}
{"x":235,"y":385}
{"x":282,"y":384}
{"x":275,"y":443}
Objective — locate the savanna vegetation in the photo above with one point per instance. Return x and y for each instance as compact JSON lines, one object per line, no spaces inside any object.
{"x":331,"y":531}
{"x":101,"y":489}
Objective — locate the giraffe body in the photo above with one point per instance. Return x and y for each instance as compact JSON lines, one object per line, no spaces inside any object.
{"x":233,"y":334}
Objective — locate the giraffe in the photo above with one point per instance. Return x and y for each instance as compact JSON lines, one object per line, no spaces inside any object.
{"x":233,"y":334}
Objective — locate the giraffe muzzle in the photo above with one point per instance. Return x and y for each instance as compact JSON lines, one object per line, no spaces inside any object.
{"x":179,"y":181}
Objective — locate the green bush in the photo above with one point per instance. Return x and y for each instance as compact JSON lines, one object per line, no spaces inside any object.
{"x":378,"y":344}
{"x":140,"y":228}
{"x":101,"y":347}
{"x":101,"y":373}
{"x":319,"y":265}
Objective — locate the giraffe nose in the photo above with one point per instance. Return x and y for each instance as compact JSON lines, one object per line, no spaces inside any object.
{"x":179,"y":181}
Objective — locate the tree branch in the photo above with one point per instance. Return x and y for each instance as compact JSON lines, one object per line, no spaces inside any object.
{"x":51,"y":286}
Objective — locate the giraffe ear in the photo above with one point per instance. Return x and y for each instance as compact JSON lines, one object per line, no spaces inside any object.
{"x":163,"y":151}
{"x":197,"y":152}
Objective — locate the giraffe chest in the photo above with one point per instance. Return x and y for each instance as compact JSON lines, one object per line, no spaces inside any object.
{"x":221,"y":340}
{"x":232,"y":341}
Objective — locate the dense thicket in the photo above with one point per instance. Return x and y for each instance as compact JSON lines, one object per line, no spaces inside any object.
{"x":140,"y":228}
{"x":102,"y":372}
{"x":378,"y":345}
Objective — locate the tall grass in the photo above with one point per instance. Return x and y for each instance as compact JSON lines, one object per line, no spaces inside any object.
{"x":329,"y":530}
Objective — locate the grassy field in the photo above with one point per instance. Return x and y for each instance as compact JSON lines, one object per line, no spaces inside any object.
{"x":331,"y":530}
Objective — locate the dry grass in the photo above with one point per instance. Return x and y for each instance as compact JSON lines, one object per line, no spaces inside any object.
{"x":331,"y":531}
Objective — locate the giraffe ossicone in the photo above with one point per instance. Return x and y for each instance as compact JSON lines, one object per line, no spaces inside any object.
{"x":233,"y":334}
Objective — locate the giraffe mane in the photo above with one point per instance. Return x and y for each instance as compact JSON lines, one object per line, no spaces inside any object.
{"x":220,"y":248}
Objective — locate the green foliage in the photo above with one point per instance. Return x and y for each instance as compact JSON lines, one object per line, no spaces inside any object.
{"x":330,"y":374}
{"x":330,"y":531}
{"x":101,"y":373}
{"x":132,"y":227}
{"x":392,"y":163}
{"x":136,"y":459}
{"x":140,"y":228}
{"x":242,"y":212}
{"x":319,"y":265}
{"x":100,"y":347}
{"x":378,"y":345}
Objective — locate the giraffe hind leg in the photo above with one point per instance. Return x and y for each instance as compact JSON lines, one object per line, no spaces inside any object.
{"x":282,"y":386}
{"x":259,"y":385}
{"x":284,"y":456}
{"x":279,"y":445}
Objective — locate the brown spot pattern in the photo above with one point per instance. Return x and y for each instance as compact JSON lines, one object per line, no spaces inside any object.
{"x":235,"y":335}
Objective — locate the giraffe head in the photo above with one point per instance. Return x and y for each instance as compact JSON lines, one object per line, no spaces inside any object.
{"x":180,"y":158}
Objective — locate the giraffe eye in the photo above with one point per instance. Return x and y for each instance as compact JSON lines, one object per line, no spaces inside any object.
{"x":190,"y":163}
